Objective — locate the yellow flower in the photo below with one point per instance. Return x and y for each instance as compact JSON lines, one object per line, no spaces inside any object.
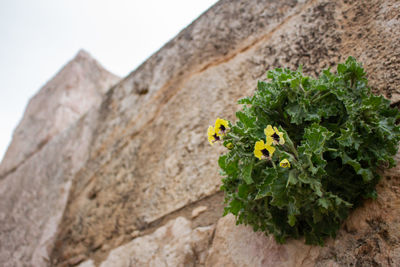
{"x":221,"y":126}
{"x":212,"y":135}
{"x":263,"y":151}
{"x":274,"y":135}
{"x":229,"y":145}
{"x":284,"y":163}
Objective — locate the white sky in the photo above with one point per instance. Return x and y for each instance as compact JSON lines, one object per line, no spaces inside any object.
{"x":38,"y":37}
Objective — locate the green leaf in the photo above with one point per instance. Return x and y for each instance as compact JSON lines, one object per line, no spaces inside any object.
{"x":324,"y":203}
{"x":291,"y":219}
{"x":341,"y":68}
{"x":245,"y":101}
{"x":221,"y":162}
{"x":292,"y":180}
{"x":235,"y":206}
{"x":315,"y":137}
{"x":293,"y":211}
{"x":296,"y":113}
{"x":264,"y":189}
{"x":366,"y":174}
{"x":245,"y":119}
{"x":246,"y":173}
{"x":295,"y":83}
{"x":243,"y":191}
{"x":349,"y":137}
{"x":322,"y":87}
{"x":278,"y":190}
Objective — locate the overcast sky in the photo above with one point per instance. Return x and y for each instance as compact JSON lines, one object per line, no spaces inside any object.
{"x":38,"y":37}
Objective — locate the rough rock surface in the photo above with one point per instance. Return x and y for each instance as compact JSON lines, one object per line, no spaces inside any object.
{"x":33,"y":195}
{"x":147,"y":161}
{"x":175,"y":244}
{"x":240,"y":246}
{"x":64,"y":99}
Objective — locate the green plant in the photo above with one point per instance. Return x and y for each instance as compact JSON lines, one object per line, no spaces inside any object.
{"x":330,"y":136}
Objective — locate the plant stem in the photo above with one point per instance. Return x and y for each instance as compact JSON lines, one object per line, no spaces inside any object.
{"x":318,"y":96}
{"x":331,"y":149}
{"x":260,"y":162}
{"x":289,"y":144}
{"x":273,"y":164}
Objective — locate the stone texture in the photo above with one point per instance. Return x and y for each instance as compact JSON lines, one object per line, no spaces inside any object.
{"x":150,"y":156}
{"x":78,"y":86}
{"x":240,"y":246}
{"x":145,"y":159}
{"x":174,"y":244}
{"x":88,"y":263}
{"x":151,"y":145}
{"x":197,"y":211}
{"x":34,"y":196}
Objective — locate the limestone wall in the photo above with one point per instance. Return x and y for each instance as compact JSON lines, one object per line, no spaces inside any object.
{"x":146,"y":189}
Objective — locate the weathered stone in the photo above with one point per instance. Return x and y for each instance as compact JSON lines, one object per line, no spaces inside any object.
{"x":34,"y":196}
{"x":152,"y":146}
{"x":197,"y":211}
{"x":78,"y":86}
{"x":174,"y":244}
{"x":240,"y":246}
{"x":154,"y":151}
{"x":201,"y":240}
{"x":41,"y":162}
{"x":145,"y":157}
{"x":88,"y":263}
{"x":150,"y":156}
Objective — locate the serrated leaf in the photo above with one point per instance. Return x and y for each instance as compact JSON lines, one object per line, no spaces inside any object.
{"x":296,"y":112}
{"x":295,"y":83}
{"x":264,"y":189}
{"x":235,"y":206}
{"x":243,"y":191}
{"x":246,"y":173}
{"x":292,"y":179}
{"x":292,"y":212}
{"x":221,"y":162}
{"x":349,"y":138}
{"x":316,"y":186}
{"x":315,"y":137}
{"x":245,"y":119}
{"x":322,"y":87}
{"x":245,"y":100}
{"x":366,"y":174}
{"x":278,"y":190}
{"x":324,"y":203}
{"x":341,"y":68}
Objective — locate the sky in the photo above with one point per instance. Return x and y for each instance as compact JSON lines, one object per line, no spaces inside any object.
{"x":38,"y":37}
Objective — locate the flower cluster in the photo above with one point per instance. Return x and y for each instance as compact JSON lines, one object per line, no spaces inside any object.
{"x":217,"y":132}
{"x":266,"y":150}
{"x":261,"y":150}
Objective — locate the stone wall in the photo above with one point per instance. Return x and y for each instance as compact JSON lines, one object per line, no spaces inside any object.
{"x":77,"y":87}
{"x":146,"y":189}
